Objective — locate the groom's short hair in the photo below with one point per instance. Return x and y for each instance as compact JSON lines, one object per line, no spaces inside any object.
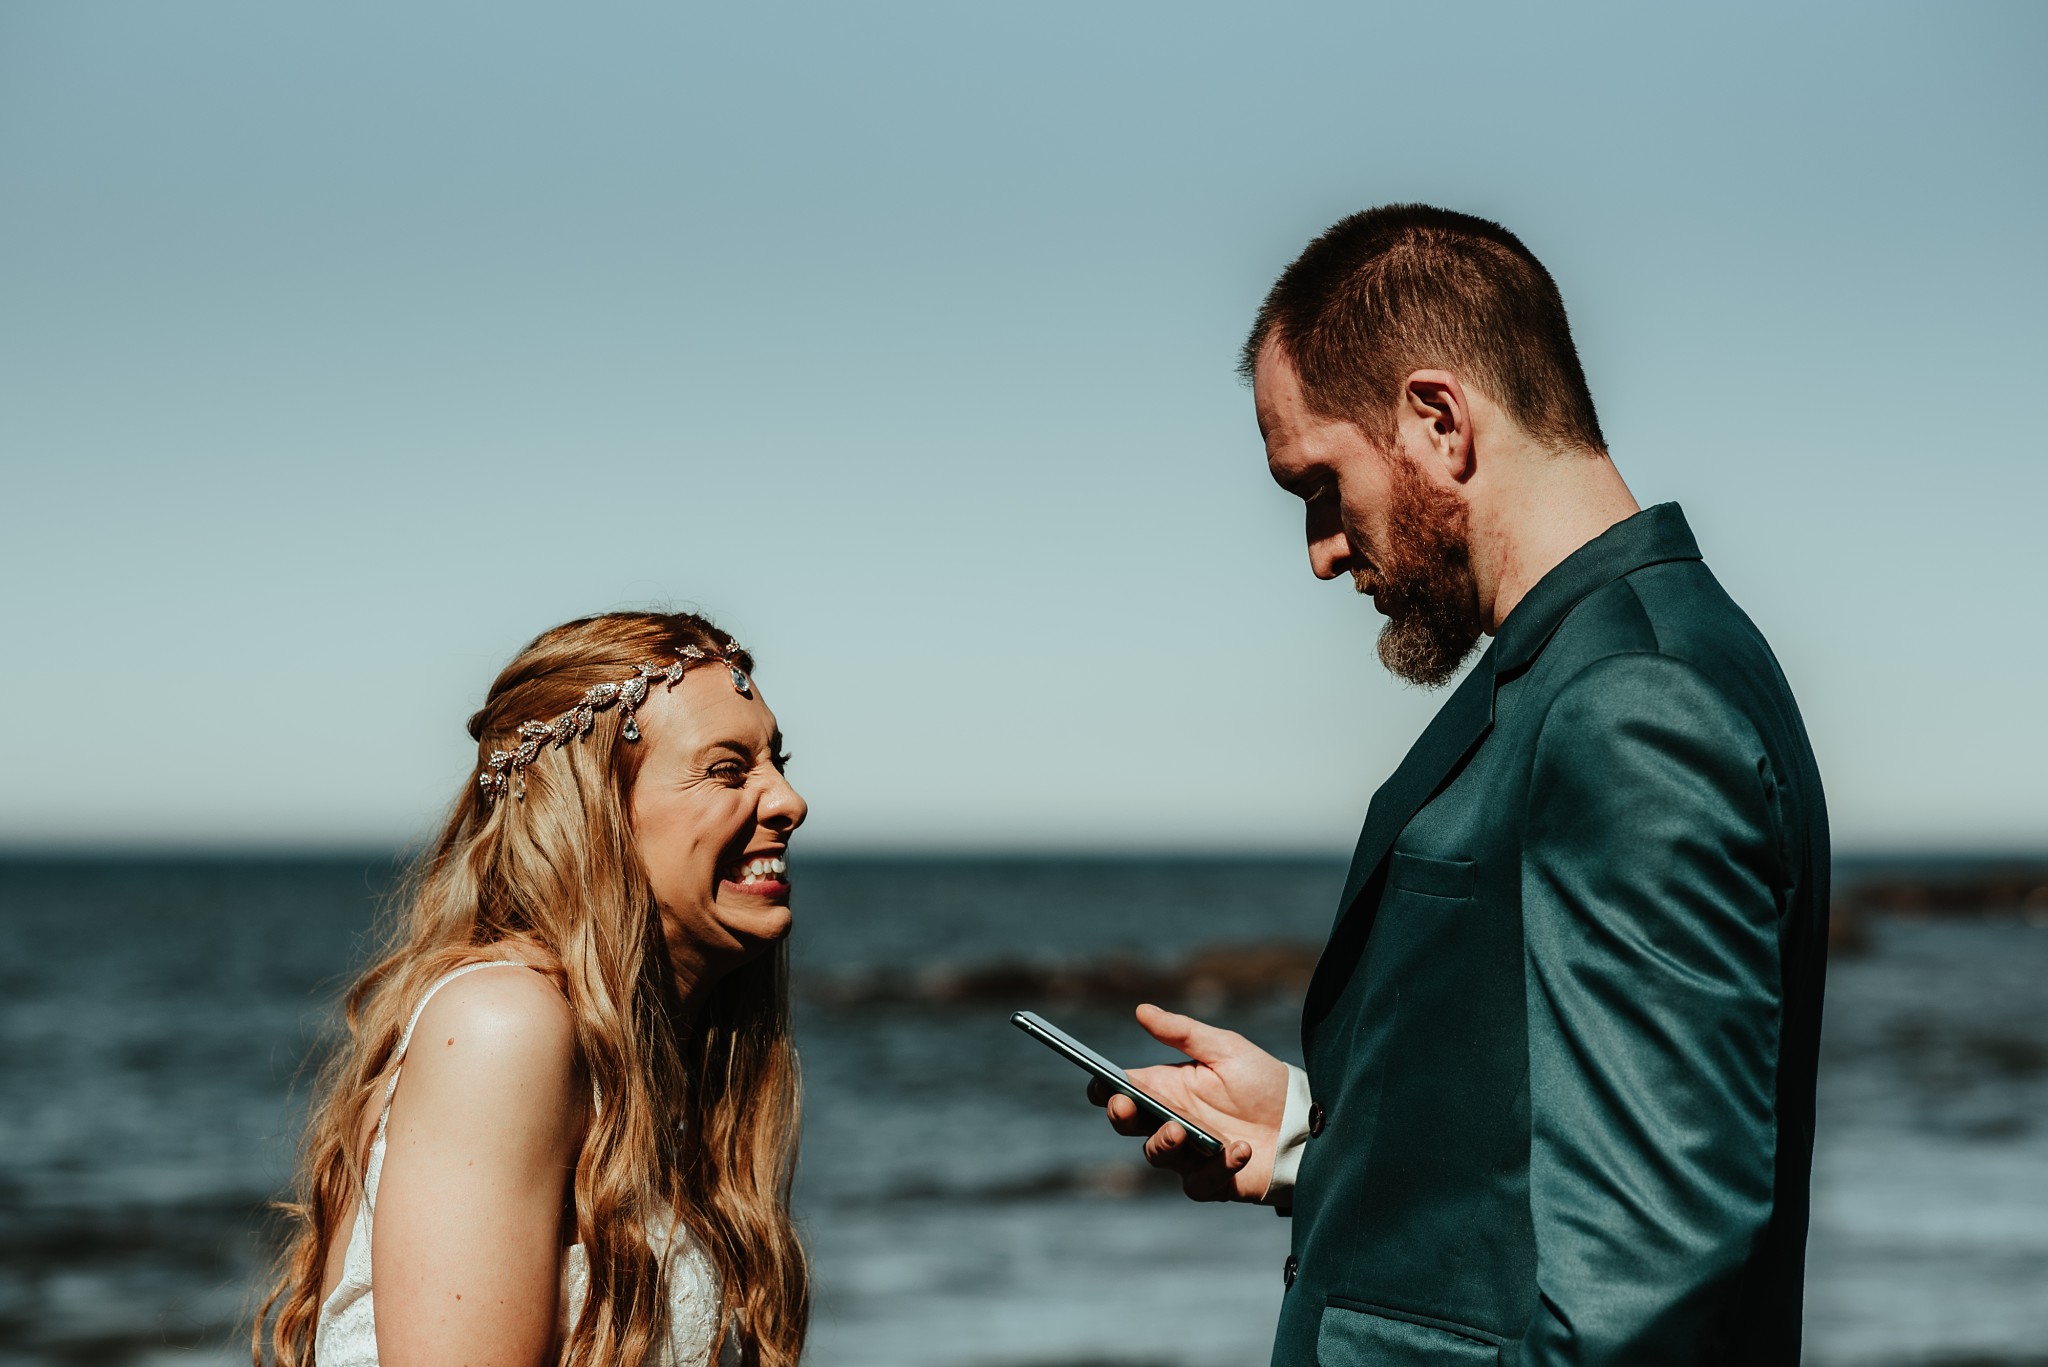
{"x":1407,"y":287}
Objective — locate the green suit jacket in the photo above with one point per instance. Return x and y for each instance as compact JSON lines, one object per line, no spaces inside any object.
{"x":1562,"y":1039}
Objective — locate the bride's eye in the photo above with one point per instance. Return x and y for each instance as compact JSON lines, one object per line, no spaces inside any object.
{"x":729,"y":771}
{"x":782,"y":758}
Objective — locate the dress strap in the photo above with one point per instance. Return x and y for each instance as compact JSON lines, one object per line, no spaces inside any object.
{"x":373,"y":1173}
{"x":405,"y":1040}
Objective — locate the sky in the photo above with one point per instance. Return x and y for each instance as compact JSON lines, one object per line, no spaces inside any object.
{"x":345,"y":348}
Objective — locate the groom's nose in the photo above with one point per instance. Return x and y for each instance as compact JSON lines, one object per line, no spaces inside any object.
{"x":1329,"y":549}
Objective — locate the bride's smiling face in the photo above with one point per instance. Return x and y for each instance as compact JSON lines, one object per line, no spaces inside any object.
{"x":712,"y":815}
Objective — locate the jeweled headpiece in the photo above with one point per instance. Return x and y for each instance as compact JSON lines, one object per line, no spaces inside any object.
{"x":502,"y":770}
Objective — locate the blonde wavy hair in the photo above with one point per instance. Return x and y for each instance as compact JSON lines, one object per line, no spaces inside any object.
{"x":700,"y":1110}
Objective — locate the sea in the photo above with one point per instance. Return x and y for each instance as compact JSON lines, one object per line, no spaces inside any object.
{"x":965,"y":1207}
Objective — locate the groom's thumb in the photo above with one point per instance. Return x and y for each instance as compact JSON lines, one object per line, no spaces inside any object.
{"x":1202,"y":1043}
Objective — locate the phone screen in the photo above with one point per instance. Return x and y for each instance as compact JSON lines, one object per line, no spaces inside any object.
{"x":1089,"y":1061}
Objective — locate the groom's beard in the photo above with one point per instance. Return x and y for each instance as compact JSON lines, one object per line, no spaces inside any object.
{"x":1422,"y":581}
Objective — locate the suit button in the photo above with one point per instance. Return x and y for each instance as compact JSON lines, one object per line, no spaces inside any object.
{"x":1289,"y":1268}
{"x":1315,"y":1118}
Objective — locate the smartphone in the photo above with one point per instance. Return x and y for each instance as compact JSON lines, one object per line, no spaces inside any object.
{"x":1113,"y":1077}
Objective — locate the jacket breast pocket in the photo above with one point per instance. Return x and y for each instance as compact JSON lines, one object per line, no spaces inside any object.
{"x":1452,"y":880}
{"x":1354,"y":1334}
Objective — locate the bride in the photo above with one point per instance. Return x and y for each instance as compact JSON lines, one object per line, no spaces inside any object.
{"x":563,"y":1124}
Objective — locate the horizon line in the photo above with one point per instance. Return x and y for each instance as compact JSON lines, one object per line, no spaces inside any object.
{"x":283,"y":852}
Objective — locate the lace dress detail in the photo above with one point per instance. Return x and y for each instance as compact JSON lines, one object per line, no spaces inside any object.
{"x":347,"y":1332}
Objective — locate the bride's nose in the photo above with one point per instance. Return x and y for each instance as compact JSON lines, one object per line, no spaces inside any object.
{"x":782,"y":807}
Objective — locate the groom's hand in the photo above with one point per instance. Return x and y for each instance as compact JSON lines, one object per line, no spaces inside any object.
{"x":1230,"y":1087}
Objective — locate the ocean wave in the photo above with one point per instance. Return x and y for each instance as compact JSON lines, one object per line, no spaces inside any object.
{"x":1095,"y":1181}
{"x":1208,"y":977}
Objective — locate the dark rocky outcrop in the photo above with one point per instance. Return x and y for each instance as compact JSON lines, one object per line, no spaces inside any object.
{"x":1230,"y":975}
{"x":1977,"y":891}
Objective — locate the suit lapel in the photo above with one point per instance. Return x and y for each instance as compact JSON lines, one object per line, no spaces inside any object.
{"x":1650,"y":537}
{"x":1436,"y":755}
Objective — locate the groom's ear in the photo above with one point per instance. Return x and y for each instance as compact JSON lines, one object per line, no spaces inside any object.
{"x":1434,"y":416}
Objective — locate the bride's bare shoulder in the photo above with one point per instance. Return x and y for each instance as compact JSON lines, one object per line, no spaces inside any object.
{"x":501,"y":1037}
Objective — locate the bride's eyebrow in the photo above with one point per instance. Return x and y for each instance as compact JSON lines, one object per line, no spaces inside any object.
{"x":739,"y":748}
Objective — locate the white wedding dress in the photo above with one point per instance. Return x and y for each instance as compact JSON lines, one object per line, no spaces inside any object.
{"x":347,"y":1332}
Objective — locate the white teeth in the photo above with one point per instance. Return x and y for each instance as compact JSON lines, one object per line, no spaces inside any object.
{"x":755,"y":870}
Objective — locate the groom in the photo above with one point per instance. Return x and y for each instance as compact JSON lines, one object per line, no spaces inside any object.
{"x":1559,"y":1100}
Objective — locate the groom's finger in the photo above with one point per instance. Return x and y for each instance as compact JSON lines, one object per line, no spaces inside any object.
{"x":1216,"y":1178}
{"x":1166,"y":1147}
{"x":1124,"y":1117}
{"x":1169,"y":1148}
{"x":1201,"y":1042}
{"x":1121,"y":1110}
{"x":1210,"y":1182}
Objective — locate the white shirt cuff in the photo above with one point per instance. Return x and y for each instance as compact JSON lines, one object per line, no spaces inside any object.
{"x":1293,"y":1139}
